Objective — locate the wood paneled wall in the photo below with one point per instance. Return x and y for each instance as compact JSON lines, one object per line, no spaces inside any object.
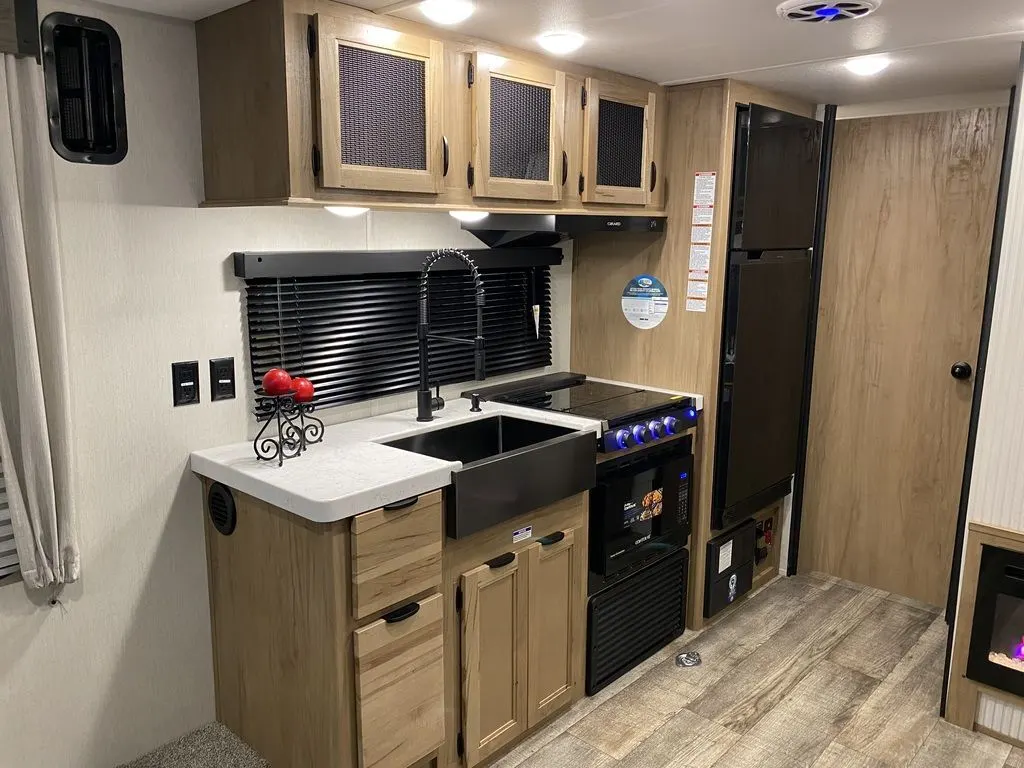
{"x":683,"y":352}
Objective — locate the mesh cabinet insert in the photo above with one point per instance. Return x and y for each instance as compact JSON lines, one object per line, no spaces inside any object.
{"x":620,"y":144}
{"x":520,"y":130}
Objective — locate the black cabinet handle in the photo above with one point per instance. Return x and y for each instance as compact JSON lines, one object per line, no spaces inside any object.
{"x":961,"y":371}
{"x":565,"y":168}
{"x":446,"y":153}
{"x":501,"y":561}
{"x":551,"y":538}
{"x":654,"y":175}
{"x":401,"y":614}
{"x":403,"y":504}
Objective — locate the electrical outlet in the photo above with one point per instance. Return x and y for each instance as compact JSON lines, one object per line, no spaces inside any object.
{"x":185,"y":379}
{"x":222,"y":379}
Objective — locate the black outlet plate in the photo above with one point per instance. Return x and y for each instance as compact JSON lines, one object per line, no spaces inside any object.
{"x":185,"y":380}
{"x":222,"y":379}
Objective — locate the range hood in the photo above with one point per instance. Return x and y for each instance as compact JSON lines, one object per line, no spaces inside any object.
{"x":499,"y":230}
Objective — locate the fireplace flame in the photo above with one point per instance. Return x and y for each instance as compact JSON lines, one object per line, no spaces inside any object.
{"x":1018,"y":650}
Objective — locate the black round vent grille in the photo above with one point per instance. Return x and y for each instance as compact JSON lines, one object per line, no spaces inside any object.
{"x":825,"y":12}
{"x":222,"y":508}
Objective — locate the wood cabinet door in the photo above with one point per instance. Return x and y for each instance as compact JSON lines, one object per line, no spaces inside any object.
{"x":400,"y":685}
{"x":494,"y":655}
{"x":618,"y":144}
{"x":380,"y":101}
{"x":555,"y":604}
{"x":518,"y":113}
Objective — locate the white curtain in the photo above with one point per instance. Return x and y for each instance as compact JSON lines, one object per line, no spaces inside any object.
{"x":35,"y":427}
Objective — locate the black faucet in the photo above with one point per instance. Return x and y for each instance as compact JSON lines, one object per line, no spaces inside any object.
{"x":425,"y":403}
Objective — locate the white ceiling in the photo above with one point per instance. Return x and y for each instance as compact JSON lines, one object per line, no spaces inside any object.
{"x":938,"y":46}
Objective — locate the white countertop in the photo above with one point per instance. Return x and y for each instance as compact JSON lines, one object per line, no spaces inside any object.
{"x":350,"y":472}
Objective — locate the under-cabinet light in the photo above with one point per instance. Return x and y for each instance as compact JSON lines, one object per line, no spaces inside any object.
{"x":469,"y":216}
{"x":346,"y":211}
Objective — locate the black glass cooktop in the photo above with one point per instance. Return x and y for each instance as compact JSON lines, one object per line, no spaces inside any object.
{"x":574,"y":393}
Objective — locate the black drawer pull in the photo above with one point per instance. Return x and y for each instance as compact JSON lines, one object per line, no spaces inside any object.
{"x":565,"y":168}
{"x":654,"y":175}
{"x":401,"y":614}
{"x":501,"y":560}
{"x":444,"y":147}
{"x":551,"y":538}
{"x":403,"y":504}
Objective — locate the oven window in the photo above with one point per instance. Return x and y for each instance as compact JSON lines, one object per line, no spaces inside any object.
{"x":646,"y":500}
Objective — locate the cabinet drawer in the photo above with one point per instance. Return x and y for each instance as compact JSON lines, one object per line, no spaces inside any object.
{"x":400,"y":686}
{"x":396,"y":553}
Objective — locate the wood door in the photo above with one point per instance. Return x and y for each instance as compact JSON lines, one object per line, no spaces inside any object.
{"x":912,"y":205}
{"x":494,"y":656}
{"x":380,"y":108}
{"x":400,"y":685}
{"x":618,"y":143}
{"x":556,"y":600}
{"x":518,"y":111}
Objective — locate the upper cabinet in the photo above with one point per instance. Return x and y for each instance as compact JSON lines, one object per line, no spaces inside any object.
{"x":518,"y":111}
{"x":379,"y":108}
{"x":618,"y":143}
{"x":317,"y":102}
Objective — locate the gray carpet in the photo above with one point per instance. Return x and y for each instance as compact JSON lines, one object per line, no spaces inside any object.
{"x":212,"y":746}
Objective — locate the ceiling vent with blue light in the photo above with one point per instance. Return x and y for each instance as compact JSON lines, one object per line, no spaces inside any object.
{"x":811,"y":11}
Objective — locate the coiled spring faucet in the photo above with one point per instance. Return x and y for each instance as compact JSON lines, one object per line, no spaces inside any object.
{"x":426,"y":404}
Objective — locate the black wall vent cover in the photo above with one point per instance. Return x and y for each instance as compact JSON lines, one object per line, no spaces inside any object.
{"x":84,"y":89}
{"x":221,"y":505}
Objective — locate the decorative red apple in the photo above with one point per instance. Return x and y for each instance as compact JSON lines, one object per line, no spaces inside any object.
{"x":276,"y":381}
{"x":303,"y":390}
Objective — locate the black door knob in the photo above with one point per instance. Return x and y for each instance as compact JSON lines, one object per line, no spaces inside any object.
{"x":961,"y":371}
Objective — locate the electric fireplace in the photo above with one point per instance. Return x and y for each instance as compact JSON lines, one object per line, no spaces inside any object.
{"x":996,"y":653}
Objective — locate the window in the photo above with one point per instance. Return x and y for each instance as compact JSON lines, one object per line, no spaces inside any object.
{"x":354,"y":335}
{"x":8,"y":554}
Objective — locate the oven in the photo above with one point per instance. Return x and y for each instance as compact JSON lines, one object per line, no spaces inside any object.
{"x":640,"y":507}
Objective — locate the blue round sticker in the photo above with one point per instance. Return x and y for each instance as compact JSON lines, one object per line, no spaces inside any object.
{"x":645,"y":301}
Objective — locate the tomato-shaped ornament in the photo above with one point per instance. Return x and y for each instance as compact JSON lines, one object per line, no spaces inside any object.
{"x":303,"y":389}
{"x":276,"y":381}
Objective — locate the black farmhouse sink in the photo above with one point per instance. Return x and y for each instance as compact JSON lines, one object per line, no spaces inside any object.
{"x":510,"y":466}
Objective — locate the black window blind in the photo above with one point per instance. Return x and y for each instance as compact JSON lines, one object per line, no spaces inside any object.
{"x":354,"y":336}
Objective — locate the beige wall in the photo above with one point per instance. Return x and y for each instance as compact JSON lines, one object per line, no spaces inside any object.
{"x":125,"y":664}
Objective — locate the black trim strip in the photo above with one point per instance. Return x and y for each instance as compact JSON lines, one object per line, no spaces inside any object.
{"x":251,"y":265}
{"x":979,"y":380}
{"x":817,"y":257}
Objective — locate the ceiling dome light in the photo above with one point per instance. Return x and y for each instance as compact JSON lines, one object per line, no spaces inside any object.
{"x":346,"y":211}
{"x":865,"y":66}
{"x":560,"y":43}
{"x":469,"y":216}
{"x":447,"y":12}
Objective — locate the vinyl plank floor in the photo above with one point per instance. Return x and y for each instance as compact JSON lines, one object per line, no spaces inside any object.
{"x":952,"y":746}
{"x":882,"y":638}
{"x":762,"y":680}
{"x":685,"y":741}
{"x":801,"y":726}
{"x":566,"y":751}
{"x":1016,"y":758}
{"x":897,"y":718}
{"x":838,"y":756}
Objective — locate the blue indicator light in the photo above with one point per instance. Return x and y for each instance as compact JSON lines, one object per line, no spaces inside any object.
{"x":691,"y":413}
{"x":683,"y":475}
{"x":827,"y":13}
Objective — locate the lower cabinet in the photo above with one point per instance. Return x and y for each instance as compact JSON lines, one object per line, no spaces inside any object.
{"x":399,"y":664}
{"x":521,"y":622}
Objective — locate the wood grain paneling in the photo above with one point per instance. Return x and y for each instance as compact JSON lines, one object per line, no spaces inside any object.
{"x":903,"y":286}
{"x":8,"y":28}
{"x":395,"y":554}
{"x":400,"y":688}
{"x":683,"y":351}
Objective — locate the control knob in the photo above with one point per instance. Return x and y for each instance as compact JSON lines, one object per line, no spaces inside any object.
{"x":670,"y":424}
{"x":622,"y":438}
{"x":640,"y":434}
{"x":656,"y":428}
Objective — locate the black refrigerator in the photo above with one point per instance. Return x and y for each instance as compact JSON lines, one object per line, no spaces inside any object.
{"x":767,"y":300}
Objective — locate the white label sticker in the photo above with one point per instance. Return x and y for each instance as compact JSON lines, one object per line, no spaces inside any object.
{"x":522,"y":534}
{"x":725,"y":557}
{"x":703,"y":214}
{"x":696,"y":305}
{"x":704,"y":187}
{"x":645,"y":302}
{"x":700,"y":235}
{"x":700,"y":256}
{"x":696,"y":289}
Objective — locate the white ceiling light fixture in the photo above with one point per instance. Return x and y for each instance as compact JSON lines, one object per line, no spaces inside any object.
{"x":561,"y":43}
{"x":447,"y":12}
{"x":818,"y":12}
{"x":469,"y":216}
{"x":865,"y":66}
{"x":346,"y":211}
